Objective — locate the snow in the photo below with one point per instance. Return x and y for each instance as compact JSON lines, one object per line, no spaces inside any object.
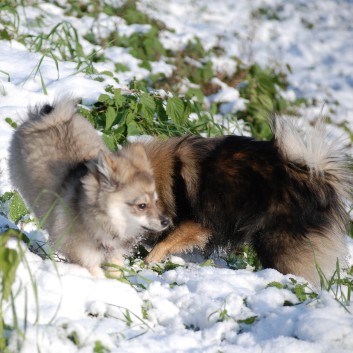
{"x":194,"y":307}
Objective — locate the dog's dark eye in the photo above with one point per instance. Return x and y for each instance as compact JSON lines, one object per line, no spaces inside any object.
{"x":141,"y":206}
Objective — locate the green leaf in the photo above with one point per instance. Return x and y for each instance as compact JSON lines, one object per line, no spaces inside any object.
{"x":119,"y":99}
{"x":208,"y":263}
{"x":175,"y":109}
{"x":146,"y":65}
{"x":110,"y":142}
{"x":266,"y":85}
{"x":9,"y":261}
{"x":187,"y":110}
{"x":11,"y":123}
{"x":250,"y":320}
{"x":4,"y":35}
{"x":133,"y":129}
{"x":100,"y":348}
{"x":103,"y":98}
{"x":160,"y":110}
{"x":276,"y":285}
{"x":266,"y":102}
{"x":282,"y":104}
{"x":7,"y":196}
{"x":110,"y":116}
{"x":148,"y":106}
{"x":195,"y":92}
{"x":121,"y":68}
{"x":107,"y":73}
{"x":73,"y":337}
{"x":17,"y":209}
{"x":130,"y":116}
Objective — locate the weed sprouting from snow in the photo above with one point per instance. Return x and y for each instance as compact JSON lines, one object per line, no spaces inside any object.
{"x":130,"y":318}
{"x":126,"y":275}
{"x":221,"y":314}
{"x":302,"y":290}
{"x":99,"y":347}
{"x":340,"y":287}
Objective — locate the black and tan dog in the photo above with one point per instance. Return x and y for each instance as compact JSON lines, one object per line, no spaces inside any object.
{"x":285,"y":196}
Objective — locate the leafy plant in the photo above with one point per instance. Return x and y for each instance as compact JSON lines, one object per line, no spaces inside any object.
{"x":223,"y":315}
{"x":138,"y":112}
{"x":192,"y":63}
{"x":301,"y":290}
{"x":262,"y":88}
{"x":130,"y":12}
{"x":129,"y":317}
{"x":166,"y":266}
{"x":142,"y":45}
{"x":241,"y":259}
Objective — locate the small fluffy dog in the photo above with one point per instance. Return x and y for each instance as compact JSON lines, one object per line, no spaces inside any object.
{"x":94,"y":204}
{"x":285,"y":196}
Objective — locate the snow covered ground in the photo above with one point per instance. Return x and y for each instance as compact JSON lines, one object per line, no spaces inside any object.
{"x":195,"y":307}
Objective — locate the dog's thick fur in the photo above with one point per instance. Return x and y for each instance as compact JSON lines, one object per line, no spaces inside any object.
{"x":94,"y":204}
{"x":286,"y":196}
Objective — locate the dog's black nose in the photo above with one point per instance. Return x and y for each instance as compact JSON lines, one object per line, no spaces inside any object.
{"x":164,"y":221}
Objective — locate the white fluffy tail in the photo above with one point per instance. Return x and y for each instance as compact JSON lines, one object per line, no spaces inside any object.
{"x":316,"y":148}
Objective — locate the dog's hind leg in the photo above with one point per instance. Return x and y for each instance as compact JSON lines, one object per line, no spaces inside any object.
{"x":309,"y":256}
{"x":185,"y":237}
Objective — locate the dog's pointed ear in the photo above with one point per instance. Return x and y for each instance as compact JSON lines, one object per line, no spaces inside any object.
{"x":137,"y":153}
{"x":104,"y":168}
{"x":104,"y":164}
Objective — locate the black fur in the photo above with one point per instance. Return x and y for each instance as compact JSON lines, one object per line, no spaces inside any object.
{"x":184,"y":210}
{"x":46,"y":109}
{"x":72,"y":185}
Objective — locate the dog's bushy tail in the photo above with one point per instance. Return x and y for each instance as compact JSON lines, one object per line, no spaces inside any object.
{"x":329,"y":181}
{"x":315,"y":147}
{"x":42,"y":117}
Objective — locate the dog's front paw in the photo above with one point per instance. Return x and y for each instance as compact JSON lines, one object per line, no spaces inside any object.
{"x":157,"y":254}
{"x":115,"y":266}
{"x":96,"y":272}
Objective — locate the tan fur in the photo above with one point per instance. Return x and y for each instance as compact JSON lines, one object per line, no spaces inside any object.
{"x":185,"y":237}
{"x":162,"y":155}
{"x":162,"y":165}
{"x":319,"y":251}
